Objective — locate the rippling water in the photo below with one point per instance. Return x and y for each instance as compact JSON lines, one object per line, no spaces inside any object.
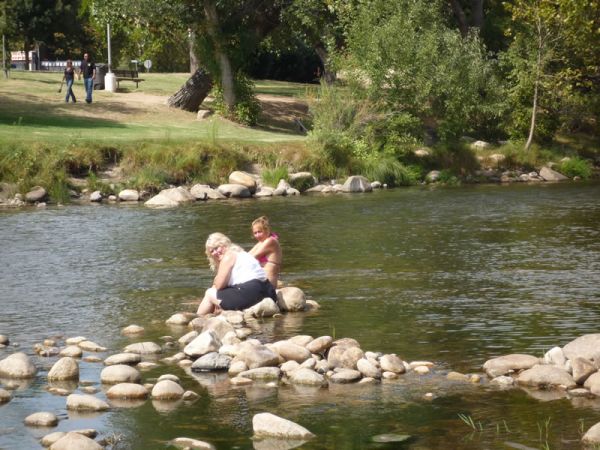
{"x":453,"y":275}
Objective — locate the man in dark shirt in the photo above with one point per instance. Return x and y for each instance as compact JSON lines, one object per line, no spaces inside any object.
{"x":88,"y":70}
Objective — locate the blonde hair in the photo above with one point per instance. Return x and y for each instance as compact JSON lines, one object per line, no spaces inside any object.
{"x":216,"y":240}
{"x":263,"y":223}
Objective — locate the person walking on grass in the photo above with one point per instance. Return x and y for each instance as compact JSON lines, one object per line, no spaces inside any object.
{"x":69,"y":77}
{"x":88,"y":70}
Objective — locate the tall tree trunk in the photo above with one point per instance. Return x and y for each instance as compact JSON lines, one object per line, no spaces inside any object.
{"x":194,"y":66}
{"x":477,"y":13}
{"x":536,"y":85}
{"x":192,"y":93}
{"x":226,"y":72}
{"x":328,"y":75}
{"x":461,"y":18}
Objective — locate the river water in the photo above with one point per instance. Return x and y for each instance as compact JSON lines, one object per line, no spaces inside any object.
{"x":450,"y":275}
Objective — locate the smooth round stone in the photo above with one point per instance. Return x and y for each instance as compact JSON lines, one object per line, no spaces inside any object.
{"x":190,"y":395}
{"x":48,"y":352}
{"x":18,"y":366}
{"x":75,"y":340}
{"x":64,"y":369}
{"x":75,"y":441}
{"x":183,"y":442}
{"x":267,"y":424}
{"x":389,"y":375}
{"x":120,"y":373}
{"x":51,"y":438}
{"x":169,"y":376}
{"x":421,"y":370}
{"x":4,"y":396}
{"x":167,"y":390}
{"x":81,"y":402}
{"x":123,"y":358}
{"x":72,"y":351}
{"x":240,"y":381}
{"x":89,"y":389}
{"x":146,"y":365}
{"x":143,"y":348}
{"x":127,"y":390}
{"x":390,"y":437}
{"x":346,"y":376}
{"x":90,"y":346}
{"x":92,"y":359}
{"x":579,"y":392}
{"x":307,"y":377}
{"x":132,"y":329}
{"x":41,"y":419}
{"x":59,"y":391}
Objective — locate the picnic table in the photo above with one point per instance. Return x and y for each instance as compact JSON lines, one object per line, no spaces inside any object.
{"x":127,"y":75}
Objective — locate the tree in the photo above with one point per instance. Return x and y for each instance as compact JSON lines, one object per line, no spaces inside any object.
{"x":553,"y":55}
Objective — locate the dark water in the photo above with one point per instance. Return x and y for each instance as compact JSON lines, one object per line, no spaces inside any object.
{"x":454,"y":275}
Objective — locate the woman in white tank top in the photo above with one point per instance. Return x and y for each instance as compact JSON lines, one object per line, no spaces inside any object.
{"x":240,"y":281}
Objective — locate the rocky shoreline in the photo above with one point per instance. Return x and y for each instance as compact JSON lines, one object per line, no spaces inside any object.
{"x":226,"y":344}
{"x":243,"y":185}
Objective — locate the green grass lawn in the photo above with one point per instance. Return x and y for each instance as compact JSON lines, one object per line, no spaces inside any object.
{"x":32,"y":110}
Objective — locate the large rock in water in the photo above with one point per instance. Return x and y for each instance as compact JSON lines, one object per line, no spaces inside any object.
{"x":211,"y":362}
{"x":41,"y":419}
{"x":243,"y":178}
{"x":206,"y":342}
{"x":204,"y":191}
{"x":256,"y":355}
{"x":586,"y":346}
{"x":17,"y":365}
{"x":357,"y":183}
{"x":234,"y":190}
{"x":143,"y":348}
{"x":120,"y":373}
{"x":265,"y":308}
{"x":75,"y":441}
{"x":129,"y":195}
{"x":167,"y":390}
{"x":592,"y":436}
{"x":37,"y":194}
{"x":546,"y":376}
{"x":291,"y":299}
{"x":267,"y":424}
{"x":551,"y":175}
{"x":64,"y":369}
{"x":168,"y":198}
{"x":127,"y":391}
{"x":502,"y":365}
{"x":80,"y":402}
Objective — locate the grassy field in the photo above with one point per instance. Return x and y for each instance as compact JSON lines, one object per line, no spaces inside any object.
{"x":32,"y":110}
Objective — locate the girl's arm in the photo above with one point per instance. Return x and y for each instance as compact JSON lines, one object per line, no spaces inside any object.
{"x":262,"y":248}
{"x":224,"y":271}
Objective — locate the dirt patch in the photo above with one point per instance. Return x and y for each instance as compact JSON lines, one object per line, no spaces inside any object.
{"x":282,"y":113}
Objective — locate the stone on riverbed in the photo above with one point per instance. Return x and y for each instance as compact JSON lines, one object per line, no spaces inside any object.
{"x":18,"y":366}
{"x":546,"y":376}
{"x":75,"y":441}
{"x":75,"y":340}
{"x":233,"y":190}
{"x":346,"y":376}
{"x":41,"y":419}
{"x":81,"y":402}
{"x":291,"y":352}
{"x":4,"y":396}
{"x":120,"y":373}
{"x":64,"y":369}
{"x":168,"y":198}
{"x":206,"y":342}
{"x":593,"y":383}
{"x":586,"y":346}
{"x":592,"y":436}
{"x":319,"y":345}
{"x":262,"y":373}
{"x":291,"y":299}
{"x":123,"y":358}
{"x":219,"y":326}
{"x":90,"y":346}
{"x":167,"y":390}
{"x":127,"y":390}
{"x":502,"y":365}
{"x":256,"y":355}
{"x":267,"y":424}
{"x":211,"y":362}
{"x":392,"y":363}
{"x":368,"y":369}
{"x":72,"y":351}
{"x":240,"y":381}
{"x":242,"y":178}
{"x":129,"y":195}
{"x":582,"y":369}
{"x":36,"y":194}
{"x":555,"y":356}
{"x":265,"y":308}
{"x":132,"y":329}
{"x":180,"y":319}
{"x":345,"y":356}
{"x":307,"y":377}
{"x":143,"y":348}
{"x":357,"y":183}
{"x":184,"y":442}
{"x":51,"y":438}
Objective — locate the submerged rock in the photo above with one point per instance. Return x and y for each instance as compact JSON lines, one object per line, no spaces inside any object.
{"x":120,"y":373}
{"x":81,"y":402}
{"x":503,"y":365}
{"x":546,"y":376}
{"x":143,"y":348}
{"x":586,"y":346}
{"x":127,"y":390}
{"x":184,"y":442}
{"x":592,"y":436}
{"x":41,"y":419}
{"x":17,"y":365}
{"x":64,"y":369}
{"x":267,"y":424}
{"x":75,"y":441}
{"x":123,"y":358}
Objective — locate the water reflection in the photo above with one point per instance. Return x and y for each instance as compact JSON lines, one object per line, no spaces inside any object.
{"x":450,"y":275}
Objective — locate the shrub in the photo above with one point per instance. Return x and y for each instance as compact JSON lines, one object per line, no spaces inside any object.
{"x":576,"y":167}
{"x":389,"y":171}
{"x":271,"y":177}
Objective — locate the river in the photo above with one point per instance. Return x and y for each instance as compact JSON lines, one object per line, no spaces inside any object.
{"x":451,"y":275}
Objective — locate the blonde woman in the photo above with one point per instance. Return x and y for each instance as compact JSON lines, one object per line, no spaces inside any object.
{"x":267,"y":250}
{"x":240,"y":282}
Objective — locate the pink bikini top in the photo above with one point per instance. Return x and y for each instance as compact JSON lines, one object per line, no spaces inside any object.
{"x":264,"y":258}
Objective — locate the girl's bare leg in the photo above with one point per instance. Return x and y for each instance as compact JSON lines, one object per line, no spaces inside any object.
{"x":209,"y":303}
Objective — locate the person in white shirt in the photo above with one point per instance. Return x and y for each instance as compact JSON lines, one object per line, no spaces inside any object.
{"x":240,"y":281}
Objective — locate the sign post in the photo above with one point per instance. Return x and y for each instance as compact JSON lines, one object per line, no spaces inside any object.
{"x":147,"y":65}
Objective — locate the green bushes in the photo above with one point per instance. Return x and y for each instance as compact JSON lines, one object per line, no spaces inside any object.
{"x":271,"y":177}
{"x":576,"y":167}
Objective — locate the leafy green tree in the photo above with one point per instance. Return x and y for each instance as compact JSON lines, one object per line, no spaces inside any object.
{"x":553,"y":56}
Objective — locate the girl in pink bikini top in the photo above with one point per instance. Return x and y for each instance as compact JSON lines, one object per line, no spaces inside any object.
{"x":267,"y":250}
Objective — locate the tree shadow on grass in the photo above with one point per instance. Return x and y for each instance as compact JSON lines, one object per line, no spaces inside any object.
{"x":29,"y":111}
{"x":282,"y":116}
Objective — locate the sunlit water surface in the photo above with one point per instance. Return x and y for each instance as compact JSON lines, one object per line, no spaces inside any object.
{"x":454,"y":275}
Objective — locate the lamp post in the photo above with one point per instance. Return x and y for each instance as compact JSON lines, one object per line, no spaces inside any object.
{"x":110,"y":83}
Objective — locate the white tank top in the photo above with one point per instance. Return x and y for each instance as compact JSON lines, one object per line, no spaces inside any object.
{"x":246,"y":268}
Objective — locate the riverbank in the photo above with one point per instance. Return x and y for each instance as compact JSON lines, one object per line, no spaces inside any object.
{"x":132,"y":140}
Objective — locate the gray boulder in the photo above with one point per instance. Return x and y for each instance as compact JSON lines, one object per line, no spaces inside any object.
{"x":79,"y":402}
{"x":392,"y":363}
{"x":168,"y":198}
{"x":41,"y":419}
{"x":64,"y":369}
{"x":291,"y":299}
{"x":143,"y":348}
{"x":265,"y":308}
{"x":4,"y":396}
{"x":75,"y":441}
{"x":256,"y":355}
{"x":262,"y":373}
{"x":127,"y":391}
{"x":593,"y":383}
{"x":120,"y":373}
{"x":592,"y":436}
{"x":320,"y":344}
{"x":211,"y":362}
{"x":586,"y":346}
{"x":129,"y":195}
{"x":206,"y":342}
{"x":167,"y":390}
{"x":204,"y":191}
{"x":551,"y":175}
{"x":582,"y":369}
{"x":234,"y":191}
{"x":357,"y":183}
{"x":243,"y":179}
{"x":291,"y":352}
{"x":131,"y":359}
{"x":267,"y":424}
{"x":17,"y":365}
{"x":543,"y":376}
{"x":307,"y":377}
{"x":36,"y":194}
{"x":502,"y":365}
{"x":345,"y":376}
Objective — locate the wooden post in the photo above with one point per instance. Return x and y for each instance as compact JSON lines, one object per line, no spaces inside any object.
{"x":4,"y":66}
